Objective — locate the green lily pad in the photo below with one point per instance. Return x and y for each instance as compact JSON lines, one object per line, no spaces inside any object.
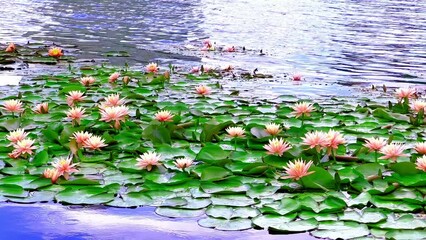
{"x":226,"y":224}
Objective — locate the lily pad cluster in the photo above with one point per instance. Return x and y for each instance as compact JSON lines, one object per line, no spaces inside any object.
{"x":232,"y":184}
{"x":30,"y":53}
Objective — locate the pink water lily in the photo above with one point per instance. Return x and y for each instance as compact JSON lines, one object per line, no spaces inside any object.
{"x":11,"y":47}
{"x":17,"y":135}
{"x":151,"y":68}
{"x":52,"y":174}
{"x":206,"y":69}
{"x":195,"y":70}
{"x":277,"y":147}
{"x":74,"y":96}
{"x":164,"y":116}
{"x":113,"y":78}
{"x":420,"y":147}
{"x":273,"y":129}
{"x":183,"y":163}
{"x":334,"y":139}
{"x":405,"y":93}
{"x":317,"y":140}
{"x":235,"y":131}
{"x":297,"y":77}
{"x":203,"y":90}
{"x":56,"y":52}
{"x":113,"y":100}
{"x":297,"y":169}
{"x":375,"y":144}
{"x":23,"y":147}
{"x":94,"y":143}
{"x":393,"y":151}
{"x":75,"y":114}
{"x":148,"y":160}
{"x":303,"y":109}
{"x":13,"y":106}
{"x":87,"y":81}
{"x":42,"y":108}
{"x":418,"y":106}
{"x":81,"y":137}
{"x":421,"y":163}
{"x":115,"y":114}
{"x":65,"y":167}
{"x":229,"y":49}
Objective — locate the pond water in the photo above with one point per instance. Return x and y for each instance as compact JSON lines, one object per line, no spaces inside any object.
{"x":53,"y":221}
{"x":330,"y":42}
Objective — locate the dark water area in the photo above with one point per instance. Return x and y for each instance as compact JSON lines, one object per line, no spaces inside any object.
{"x":343,"y":42}
{"x":54,"y":221}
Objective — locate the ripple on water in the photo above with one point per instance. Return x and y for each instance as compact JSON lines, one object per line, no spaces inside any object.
{"x":339,"y":41}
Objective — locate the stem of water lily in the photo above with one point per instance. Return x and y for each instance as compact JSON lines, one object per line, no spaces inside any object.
{"x":375,"y":156}
{"x":318,"y":157}
{"x":235,"y":144}
{"x":303,"y":119}
{"x":334,"y":156}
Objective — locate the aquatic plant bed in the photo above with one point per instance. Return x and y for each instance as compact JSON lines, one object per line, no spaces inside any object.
{"x":338,"y":168}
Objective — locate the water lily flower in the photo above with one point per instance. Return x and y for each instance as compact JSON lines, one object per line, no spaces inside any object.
{"x":334,"y":139}
{"x":421,"y":163}
{"x":116,"y":114}
{"x":87,"y":81}
{"x":229,"y":49}
{"x":65,"y":167}
{"x":183,"y":163}
{"x":81,"y":137}
{"x":418,"y":105}
{"x":420,"y":147}
{"x":297,"y":77}
{"x":11,"y":47}
{"x":303,"y":109}
{"x":405,"y":93}
{"x":166,"y":74}
{"x":113,"y":100}
{"x":273,"y":129}
{"x":24,"y":146}
{"x":56,"y":52}
{"x":126,"y":80}
{"x":393,"y":151}
{"x":203,"y":90}
{"x":42,"y":108}
{"x":13,"y":106}
{"x":195,"y":70}
{"x":375,"y":144}
{"x":17,"y":135}
{"x":75,"y":114}
{"x":208,"y":46}
{"x":151,"y":68}
{"x":14,"y":154}
{"x":316,"y":140}
{"x":235,"y":131}
{"x":297,"y":169}
{"x":148,"y":160}
{"x":51,"y":173}
{"x":206,"y":69}
{"x":74,"y":97}
{"x":207,"y":42}
{"x":94,"y":143}
{"x":114,"y":77}
{"x":228,"y":68}
{"x":277,"y":146}
{"x":164,"y":116}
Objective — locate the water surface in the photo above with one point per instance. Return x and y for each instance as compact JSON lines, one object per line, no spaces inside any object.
{"x":348,"y":42}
